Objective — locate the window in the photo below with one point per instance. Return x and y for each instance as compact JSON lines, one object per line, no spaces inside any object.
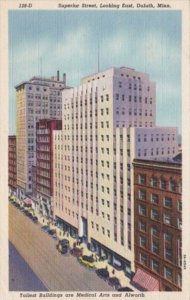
{"x":154,"y":214}
{"x":179,"y":205}
{"x":142,"y":210}
{"x":142,"y":179}
{"x":153,"y":182}
{"x":142,"y":241}
{"x":142,"y":194}
{"x":155,"y":231}
{"x":179,"y":223}
{"x":143,"y":259}
{"x":167,"y":218}
{"x":167,"y":236}
{"x":168,"y":273}
{"x":142,"y":226}
{"x":154,"y":198}
{"x":155,"y":247}
{"x":168,"y":254}
{"x":172,"y":185}
{"x":167,"y":202}
{"x":163,"y":184}
{"x":155,"y":265}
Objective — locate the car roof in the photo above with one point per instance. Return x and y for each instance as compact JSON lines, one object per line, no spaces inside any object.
{"x":88,"y":258}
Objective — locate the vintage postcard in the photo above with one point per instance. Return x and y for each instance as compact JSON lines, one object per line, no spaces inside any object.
{"x":95,"y":136}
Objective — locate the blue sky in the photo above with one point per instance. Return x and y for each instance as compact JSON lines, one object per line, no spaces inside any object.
{"x":149,"y":41}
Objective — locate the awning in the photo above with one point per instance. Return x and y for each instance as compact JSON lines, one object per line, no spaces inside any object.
{"x":27,"y":201}
{"x":145,"y":280}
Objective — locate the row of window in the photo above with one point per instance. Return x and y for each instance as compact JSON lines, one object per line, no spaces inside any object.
{"x":161,"y":183}
{"x":155,"y":214}
{"x":154,"y":198}
{"x":156,"y":267}
{"x":155,"y":231}
{"x":157,"y":151}
{"x":156,"y":138}
{"x":39,"y":88}
{"x":134,"y":113}
{"x":156,"y":249}
{"x":134,"y":98}
{"x":130,"y":86}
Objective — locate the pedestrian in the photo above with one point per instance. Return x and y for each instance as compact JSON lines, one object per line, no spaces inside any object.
{"x":113,"y":271}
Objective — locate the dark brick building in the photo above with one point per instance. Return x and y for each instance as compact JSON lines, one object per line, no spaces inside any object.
{"x":12,"y":168}
{"x":44,"y":164}
{"x":158,"y":221}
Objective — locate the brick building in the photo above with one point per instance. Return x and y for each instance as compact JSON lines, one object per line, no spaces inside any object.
{"x":12,"y":168}
{"x":43,"y":186}
{"x":158,"y":219}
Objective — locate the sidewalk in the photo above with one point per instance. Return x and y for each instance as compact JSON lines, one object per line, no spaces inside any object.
{"x":124,"y":281}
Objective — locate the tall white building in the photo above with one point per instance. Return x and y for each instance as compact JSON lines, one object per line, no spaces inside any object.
{"x":38,"y":98}
{"x":107,"y":122}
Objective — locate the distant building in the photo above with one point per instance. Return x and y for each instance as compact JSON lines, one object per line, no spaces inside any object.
{"x":158,"y":221}
{"x":108,"y":121}
{"x":12,"y":164}
{"x":39,"y":98}
{"x":44,"y":164}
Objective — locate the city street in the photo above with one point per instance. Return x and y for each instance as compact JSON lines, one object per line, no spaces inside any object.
{"x":21,"y":277}
{"x":56,"y":272}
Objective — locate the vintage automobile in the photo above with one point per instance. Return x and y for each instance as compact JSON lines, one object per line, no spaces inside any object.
{"x":87,"y":261}
{"x":103,"y":273}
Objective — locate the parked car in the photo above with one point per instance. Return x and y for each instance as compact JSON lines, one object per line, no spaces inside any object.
{"x":27,"y":213}
{"x":63,"y":246}
{"x":35,"y":219}
{"x":45,"y":228}
{"x":21,"y":208}
{"x":76,"y":252}
{"x":53,"y":233}
{"x":103,"y":273}
{"x":64,"y":242}
{"x":114,"y":282}
{"x":87,"y":261}
{"x":125,"y":289}
{"x":30,"y":215}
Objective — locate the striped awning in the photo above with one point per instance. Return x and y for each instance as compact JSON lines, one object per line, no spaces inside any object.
{"x":146,"y":281}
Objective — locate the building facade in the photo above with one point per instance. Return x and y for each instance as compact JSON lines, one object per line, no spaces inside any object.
{"x":38,"y":98}
{"x":44,"y":164}
{"x":12,"y":165}
{"x":158,"y":221}
{"x":108,"y":121}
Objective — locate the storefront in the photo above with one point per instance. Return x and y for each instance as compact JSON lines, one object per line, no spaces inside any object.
{"x":114,"y":259}
{"x":68,"y":228}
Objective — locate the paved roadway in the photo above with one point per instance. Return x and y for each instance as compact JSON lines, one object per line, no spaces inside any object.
{"x":21,"y":277}
{"x":57,"y":272}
